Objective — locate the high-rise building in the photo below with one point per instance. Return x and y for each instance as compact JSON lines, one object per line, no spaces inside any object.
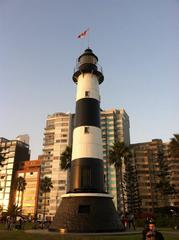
{"x":58,"y":135}
{"x":173,"y":166}
{"x":115,"y":127}
{"x":28,"y":199}
{"x":14,"y":152}
{"x":150,"y":159}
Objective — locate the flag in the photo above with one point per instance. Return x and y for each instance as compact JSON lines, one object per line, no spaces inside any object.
{"x":83,"y":34}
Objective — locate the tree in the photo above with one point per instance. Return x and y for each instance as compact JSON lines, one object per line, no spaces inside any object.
{"x":1,"y":162}
{"x":65,"y":158}
{"x":1,"y":209}
{"x":20,"y":187}
{"x":1,"y":158}
{"x":65,"y":163}
{"x":45,"y":187}
{"x":132,"y":190}
{"x":174,"y":146}
{"x":14,"y":211}
{"x":163,"y":185}
{"x":117,"y":154}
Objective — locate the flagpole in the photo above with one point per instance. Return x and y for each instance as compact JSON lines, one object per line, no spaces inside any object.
{"x":88,"y":38}
{"x":85,"y":34}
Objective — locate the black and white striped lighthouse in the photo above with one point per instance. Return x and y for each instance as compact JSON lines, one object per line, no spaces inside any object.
{"x":87,"y":173}
{"x":87,"y":207}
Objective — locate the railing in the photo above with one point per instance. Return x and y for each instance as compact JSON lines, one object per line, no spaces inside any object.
{"x":77,"y":67}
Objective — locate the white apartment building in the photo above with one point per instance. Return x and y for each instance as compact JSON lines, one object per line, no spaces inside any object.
{"x":115,"y":127}
{"x":57,"y":135}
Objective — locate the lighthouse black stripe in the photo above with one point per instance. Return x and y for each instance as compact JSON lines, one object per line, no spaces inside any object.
{"x":87,"y":112}
{"x":87,"y":175}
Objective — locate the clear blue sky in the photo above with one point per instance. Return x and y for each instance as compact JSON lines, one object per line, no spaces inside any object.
{"x":137,"y":42}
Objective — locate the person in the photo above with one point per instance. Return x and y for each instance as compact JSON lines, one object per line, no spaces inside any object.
{"x":9,"y":223}
{"x":151,"y":233}
{"x":131,"y":220}
{"x":125,"y":220}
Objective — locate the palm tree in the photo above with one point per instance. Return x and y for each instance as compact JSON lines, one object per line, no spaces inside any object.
{"x":45,"y":187}
{"x":14,"y":211}
{"x":65,"y":162}
{"x":117,"y":155}
{"x":20,"y":187}
{"x":1,"y":209}
{"x":65,"y":158}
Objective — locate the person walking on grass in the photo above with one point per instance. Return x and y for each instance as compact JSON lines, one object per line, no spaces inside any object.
{"x":131,"y":220}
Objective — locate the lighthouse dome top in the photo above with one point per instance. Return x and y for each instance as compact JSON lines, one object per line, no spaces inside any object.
{"x":88,"y":50}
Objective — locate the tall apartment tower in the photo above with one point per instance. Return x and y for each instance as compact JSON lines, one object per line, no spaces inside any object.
{"x":87,"y":207}
{"x":14,"y":152}
{"x":115,"y":127}
{"x":149,"y":157}
{"x":173,"y":167}
{"x":57,"y":135}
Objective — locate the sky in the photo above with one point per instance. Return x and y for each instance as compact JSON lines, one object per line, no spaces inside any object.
{"x":136,"y":41}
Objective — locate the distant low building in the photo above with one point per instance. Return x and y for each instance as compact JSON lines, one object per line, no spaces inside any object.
{"x":23,"y":138}
{"x":30,"y":171}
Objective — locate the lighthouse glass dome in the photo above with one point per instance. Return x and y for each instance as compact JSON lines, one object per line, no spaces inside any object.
{"x":88,"y":57}
{"x":88,"y":62}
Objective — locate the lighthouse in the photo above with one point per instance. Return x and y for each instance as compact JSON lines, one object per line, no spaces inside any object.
{"x":87,"y":207}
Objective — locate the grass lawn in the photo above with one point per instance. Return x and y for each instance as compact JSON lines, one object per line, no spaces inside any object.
{"x":20,"y":235}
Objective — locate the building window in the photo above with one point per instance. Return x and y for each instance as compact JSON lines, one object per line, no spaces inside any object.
{"x":86,"y":130}
{"x":62,"y":181}
{"x":87,"y":93}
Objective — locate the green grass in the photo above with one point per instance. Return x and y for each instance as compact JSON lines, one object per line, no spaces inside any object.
{"x":20,"y":235}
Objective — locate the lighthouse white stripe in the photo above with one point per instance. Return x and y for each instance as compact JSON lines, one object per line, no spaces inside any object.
{"x":87,"y":82}
{"x":86,"y":145}
{"x":94,"y":135}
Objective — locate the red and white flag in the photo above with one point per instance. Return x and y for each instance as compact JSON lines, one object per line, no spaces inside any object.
{"x":83,"y":34}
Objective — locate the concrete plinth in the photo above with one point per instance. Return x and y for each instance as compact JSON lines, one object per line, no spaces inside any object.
{"x":84,"y":213}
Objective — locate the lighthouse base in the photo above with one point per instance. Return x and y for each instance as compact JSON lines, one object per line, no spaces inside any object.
{"x":82,"y":213}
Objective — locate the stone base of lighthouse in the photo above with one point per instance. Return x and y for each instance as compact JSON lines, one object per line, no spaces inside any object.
{"x":86,"y":212}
